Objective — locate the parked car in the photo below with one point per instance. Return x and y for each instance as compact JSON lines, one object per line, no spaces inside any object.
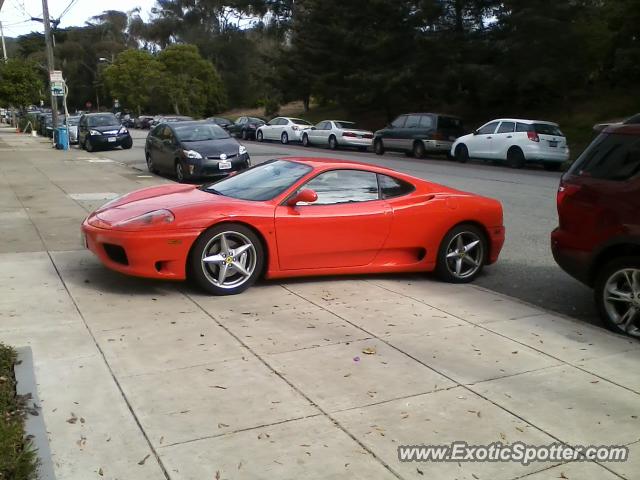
{"x":598,"y":238}
{"x":337,"y":133}
{"x":418,"y":134}
{"x":169,"y":119}
{"x":102,"y":130}
{"x":49,"y":124}
{"x":192,"y":150}
{"x":220,"y":121}
{"x":42,"y":123}
{"x":285,"y":129}
{"x":516,"y":142}
{"x":143,"y":122}
{"x":245,"y":127}
{"x":72,"y":126}
{"x":297,"y":217}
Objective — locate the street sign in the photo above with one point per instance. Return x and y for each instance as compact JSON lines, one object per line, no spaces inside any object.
{"x":55,"y":76}
{"x":57,"y":88}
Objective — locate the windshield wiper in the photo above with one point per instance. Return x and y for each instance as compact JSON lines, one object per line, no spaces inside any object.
{"x":215,"y":192}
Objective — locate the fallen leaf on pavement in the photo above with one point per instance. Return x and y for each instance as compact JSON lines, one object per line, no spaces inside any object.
{"x":141,"y":462}
{"x":369,"y":351}
{"x":419,"y":471}
{"x":73,"y":419}
{"x":562,"y":475}
{"x":217,"y":474}
{"x":100,"y":472}
{"x":218,"y":386}
{"x":222,"y":425}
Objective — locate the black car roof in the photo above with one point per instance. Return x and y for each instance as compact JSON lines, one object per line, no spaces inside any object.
{"x":430,"y":113}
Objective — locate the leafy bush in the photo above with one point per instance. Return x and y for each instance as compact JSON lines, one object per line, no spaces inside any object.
{"x":18,"y":460}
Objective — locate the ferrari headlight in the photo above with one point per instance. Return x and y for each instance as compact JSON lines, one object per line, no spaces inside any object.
{"x":94,"y":132}
{"x":192,"y":154}
{"x":149,"y":219}
{"x":243,"y":150}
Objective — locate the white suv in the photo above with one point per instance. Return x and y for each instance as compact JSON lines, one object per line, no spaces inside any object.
{"x":515,"y":142}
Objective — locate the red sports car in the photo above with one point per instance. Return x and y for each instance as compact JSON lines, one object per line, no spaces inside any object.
{"x":295,"y":217}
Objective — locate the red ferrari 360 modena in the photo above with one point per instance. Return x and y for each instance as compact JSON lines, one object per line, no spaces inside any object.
{"x":296,"y":217}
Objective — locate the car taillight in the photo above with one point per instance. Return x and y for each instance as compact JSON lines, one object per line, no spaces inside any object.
{"x":295,"y":127}
{"x":349,"y":134}
{"x":566,"y":190}
{"x":533,"y":136}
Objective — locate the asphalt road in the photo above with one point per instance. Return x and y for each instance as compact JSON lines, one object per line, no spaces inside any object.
{"x":526,"y":269}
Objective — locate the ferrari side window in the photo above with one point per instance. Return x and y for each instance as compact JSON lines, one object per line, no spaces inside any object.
{"x":392,"y":187}
{"x":344,"y":186}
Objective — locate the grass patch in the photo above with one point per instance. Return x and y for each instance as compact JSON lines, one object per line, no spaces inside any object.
{"x":18,"y":460}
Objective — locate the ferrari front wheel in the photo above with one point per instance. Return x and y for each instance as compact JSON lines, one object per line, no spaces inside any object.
{"x":462,"y":254}
{"x":226,"y":259}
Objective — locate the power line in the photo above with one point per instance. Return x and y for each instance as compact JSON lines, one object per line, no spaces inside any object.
{"x":64,"y":12}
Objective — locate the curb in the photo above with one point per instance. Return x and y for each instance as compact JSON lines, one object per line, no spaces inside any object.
{"x":34,"y":424}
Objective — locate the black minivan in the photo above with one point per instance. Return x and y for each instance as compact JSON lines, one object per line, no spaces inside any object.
{"x":418,"y":134}
{"x":102,"y":130}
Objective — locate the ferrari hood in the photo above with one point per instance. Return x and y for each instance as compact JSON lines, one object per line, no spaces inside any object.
{"x":170,"y":197}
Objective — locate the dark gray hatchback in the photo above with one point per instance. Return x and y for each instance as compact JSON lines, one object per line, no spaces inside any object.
{"x":192,"y":150}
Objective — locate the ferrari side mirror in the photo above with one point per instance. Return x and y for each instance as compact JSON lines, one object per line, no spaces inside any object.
{"x":307,"y":196}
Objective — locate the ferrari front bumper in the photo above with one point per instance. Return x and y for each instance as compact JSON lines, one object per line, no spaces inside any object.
{"x":153,"y":254}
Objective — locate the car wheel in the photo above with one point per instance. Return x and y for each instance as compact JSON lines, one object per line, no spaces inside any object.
{"x":305,"y":140}
{"x":226,"y":259}
{"x":180,"y":175}
{"x":333,"y":143}
{"x":127,"y":144}
{"x":259,"y":136}
{"x":150,"y":165}
{"x":462,"y":254}
{"x":284,"y":138}
{"x":418,"y":149}
{"x":552,"y":166}
{"x":88,"y":146}
{"x":617,"y":295}
{"x":378,"y":147}
{"x":462,"y":153}
{"x":515,"y":158}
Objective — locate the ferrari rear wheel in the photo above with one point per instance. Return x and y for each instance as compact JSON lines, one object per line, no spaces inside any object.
{"x":227,"y":259}
{"x":462,"y":254}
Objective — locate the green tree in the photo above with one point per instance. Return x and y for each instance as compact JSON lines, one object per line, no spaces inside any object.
{"x":193,"y":85}
{"x":20,"y":83}
{"x":136,"y":78}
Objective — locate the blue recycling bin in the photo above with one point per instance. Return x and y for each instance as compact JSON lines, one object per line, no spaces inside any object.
{"x":62,"y":138}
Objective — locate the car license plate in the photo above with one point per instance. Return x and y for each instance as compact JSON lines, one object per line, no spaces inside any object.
{"x":224,"y":165}
{"x":111,"y":139}
{"x":359,"y":136}
{"x":553,"y":143}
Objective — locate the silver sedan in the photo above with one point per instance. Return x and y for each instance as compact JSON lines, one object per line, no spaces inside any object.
{"x":337,"y":133}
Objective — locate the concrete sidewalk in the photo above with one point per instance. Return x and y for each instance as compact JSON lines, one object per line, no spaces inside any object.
{"x":320,"y":378}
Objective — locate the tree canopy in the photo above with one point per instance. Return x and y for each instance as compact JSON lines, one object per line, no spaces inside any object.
{"x":198,"y":56}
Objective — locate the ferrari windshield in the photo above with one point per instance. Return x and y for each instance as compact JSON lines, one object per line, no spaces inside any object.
{"x":262,"y":182}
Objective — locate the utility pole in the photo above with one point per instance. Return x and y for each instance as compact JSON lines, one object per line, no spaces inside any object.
{"x":4,"y":47}
{"x":50,"y":61}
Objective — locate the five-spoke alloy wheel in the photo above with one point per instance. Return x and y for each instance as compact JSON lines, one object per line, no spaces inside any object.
{"x":462,"y":254}
{"x":617,"y":293}
{"x":227,"y":259}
